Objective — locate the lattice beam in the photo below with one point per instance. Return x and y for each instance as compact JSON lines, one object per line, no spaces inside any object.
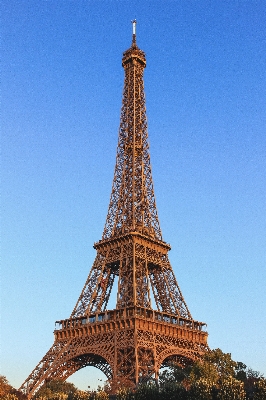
{"x":133,"y":341}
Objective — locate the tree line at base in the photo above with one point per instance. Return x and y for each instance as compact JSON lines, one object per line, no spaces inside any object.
{"x":214,"y":377}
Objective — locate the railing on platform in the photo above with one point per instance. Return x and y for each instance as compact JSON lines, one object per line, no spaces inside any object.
{"x":129,"y":312}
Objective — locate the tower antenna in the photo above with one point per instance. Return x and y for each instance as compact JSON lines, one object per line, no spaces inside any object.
{"x":134,"y":23}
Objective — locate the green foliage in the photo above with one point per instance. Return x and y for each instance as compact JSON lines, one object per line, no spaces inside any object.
{"x":5,"y":387}
{"x":124,"y":393}
{"x":113,"y":386}
{"x":173,"y":391}
{"x":260,"y":390}
{"x":148,"y":391}
{"x":232,"y":389}
{"x":57,"y":396}
{"x":56,"y":390}
{"x":81,"y":395}
{"x":200,"y":390}
{"x":240,"y":371}
{"x":222,"y":363}
{"x":214,"y":376}
{"x":101,"y":395}
{"x":214,"y":367}
{"x":249,"y":377}
{"x":9,"y":396}
{"x":61,"y":390}
{"x":174,"y":373}
{"x":204,"y":370}
{"x":7,"y":392}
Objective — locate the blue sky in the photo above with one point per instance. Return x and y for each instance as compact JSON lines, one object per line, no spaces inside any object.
{"x":205,"y":85}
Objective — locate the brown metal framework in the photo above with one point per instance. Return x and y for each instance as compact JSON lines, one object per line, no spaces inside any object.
{"x":134,"y":340}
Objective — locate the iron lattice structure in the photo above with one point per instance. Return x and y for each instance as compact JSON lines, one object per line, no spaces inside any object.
{"x":134,"y":340}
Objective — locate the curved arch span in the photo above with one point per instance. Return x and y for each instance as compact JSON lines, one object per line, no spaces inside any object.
{"x":78,"y":362}
{"x":182,"y":360}
{"x":74,"y":364}
{"x":94,"y":360}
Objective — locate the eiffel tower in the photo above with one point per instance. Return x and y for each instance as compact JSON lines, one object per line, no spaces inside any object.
{"x":134,"y":340}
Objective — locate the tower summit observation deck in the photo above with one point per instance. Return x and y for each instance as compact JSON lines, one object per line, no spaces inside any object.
{"x":134,"y":340}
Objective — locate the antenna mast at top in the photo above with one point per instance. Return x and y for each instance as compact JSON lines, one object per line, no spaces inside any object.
{"x":134,"y":23}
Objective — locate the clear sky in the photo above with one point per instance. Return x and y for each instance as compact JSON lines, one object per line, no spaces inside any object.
{"x":205,"y":85}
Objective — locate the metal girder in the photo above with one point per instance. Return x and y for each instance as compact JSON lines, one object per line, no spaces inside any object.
{"x":132,"y":341}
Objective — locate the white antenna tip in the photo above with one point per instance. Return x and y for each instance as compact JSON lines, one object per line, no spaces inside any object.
{"x":134,"y":23}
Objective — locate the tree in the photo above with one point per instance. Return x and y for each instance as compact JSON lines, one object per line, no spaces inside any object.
{"x":241,"y":371}
{"x":249,"y":377}
{"x":204,"y":370}
{"x":9,"y":396}
{"x":5,"y":386}
{"x":101,"y":395}
{"x":148,"y":391}
{"x":222,"y":363}
{"x":231,"y":389}
{"x":260,"y":389}
{"x":174,"y":373}
{"x":8,"y":392}
{"x":172,"y":391}
{"x":214,"y":367}
{"x":112,"y":386}
{"x":56,"y":390}
{"x":200,"y":390}
{"x":124,"y":393}
{"x":81,"y":395}
{"x":214,"y":376}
